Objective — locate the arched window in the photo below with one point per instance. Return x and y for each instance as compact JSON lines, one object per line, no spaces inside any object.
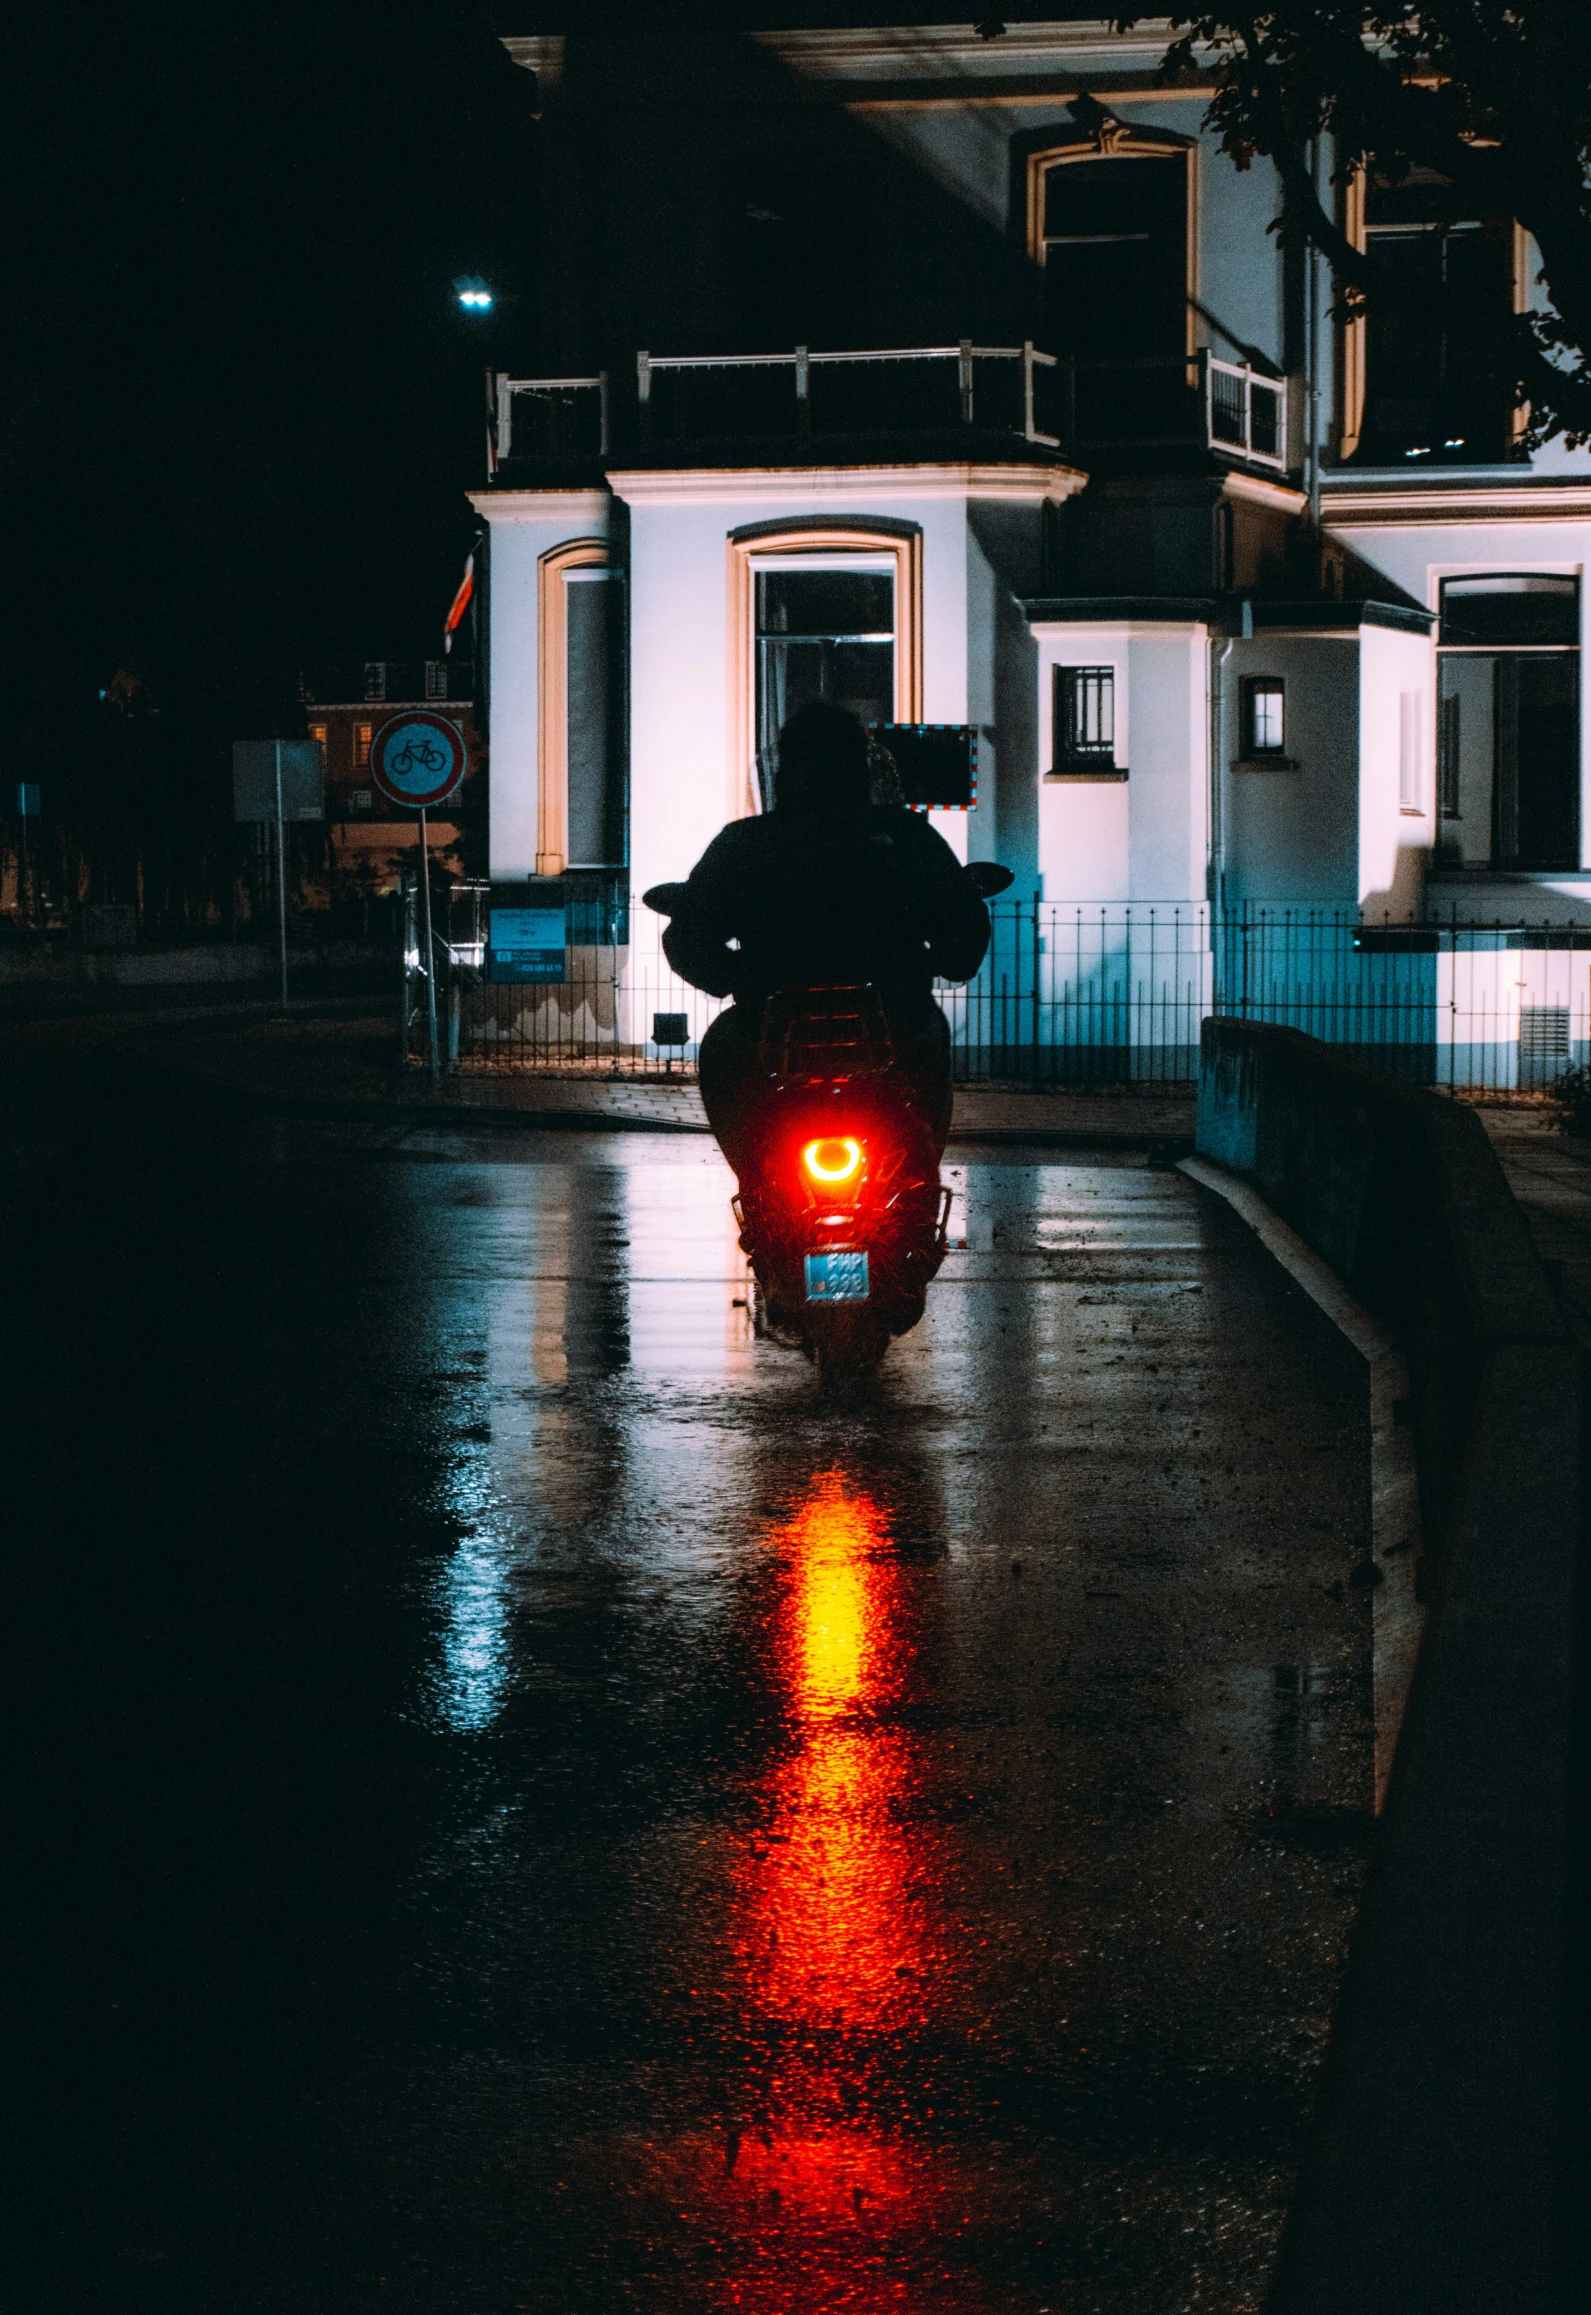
{"x":1109,"y":222}
{"x":819,"y":610}
{"x":579,"y":753}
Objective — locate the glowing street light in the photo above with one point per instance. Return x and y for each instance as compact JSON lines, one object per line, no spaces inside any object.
{"x":474,"y":296}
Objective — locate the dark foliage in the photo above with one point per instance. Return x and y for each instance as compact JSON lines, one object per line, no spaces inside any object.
{"x":1494,"y":95}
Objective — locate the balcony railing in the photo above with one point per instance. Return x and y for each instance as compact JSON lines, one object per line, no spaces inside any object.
{"x":546,"y":418}
{"x":802,"y":397}
{"x":886,"y":390}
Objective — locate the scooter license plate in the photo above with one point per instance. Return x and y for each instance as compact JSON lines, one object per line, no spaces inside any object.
{"x":838,"y":1277}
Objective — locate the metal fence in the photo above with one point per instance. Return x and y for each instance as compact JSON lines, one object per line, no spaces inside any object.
{"x":1104,"y":995}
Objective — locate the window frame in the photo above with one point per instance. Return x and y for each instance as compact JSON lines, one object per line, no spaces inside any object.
{"x":1251,"y":750}
{"x":552,"y":697}
{"x":820,"y":543}
{"x":1123,"y":142}
{"x":1352,"y":364}
{"x":1087,"y":764}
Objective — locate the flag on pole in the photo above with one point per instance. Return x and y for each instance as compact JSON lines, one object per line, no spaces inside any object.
{"x":461,"y":603}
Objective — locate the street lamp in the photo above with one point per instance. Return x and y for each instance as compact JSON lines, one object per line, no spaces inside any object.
{"x":474,"y":295}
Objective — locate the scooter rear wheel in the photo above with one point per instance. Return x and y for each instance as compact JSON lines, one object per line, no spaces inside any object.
{"x":846,"y":1344}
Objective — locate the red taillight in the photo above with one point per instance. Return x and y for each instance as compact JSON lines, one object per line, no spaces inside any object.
{"x":838,"y":1160}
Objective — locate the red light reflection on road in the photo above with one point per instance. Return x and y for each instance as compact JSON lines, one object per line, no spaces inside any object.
{"x":825,"y":1925}
{"x":837,"y":1941}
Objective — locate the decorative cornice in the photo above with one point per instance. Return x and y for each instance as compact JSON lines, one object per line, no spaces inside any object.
{"x":1370,"y":506}
{"x":734,"y":485}
{"x":576,"y":506}
{"x":911,"y":66}
{"x":1259,"y":492}
{"x":911,"y":52}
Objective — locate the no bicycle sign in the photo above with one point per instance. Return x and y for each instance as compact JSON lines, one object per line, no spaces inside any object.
{"x":417,"y":759}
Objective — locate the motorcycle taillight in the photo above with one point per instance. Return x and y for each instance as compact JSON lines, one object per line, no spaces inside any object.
{"x":834,"y":1163}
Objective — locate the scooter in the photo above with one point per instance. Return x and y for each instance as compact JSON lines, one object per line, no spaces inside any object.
{"x":840,"y":1204}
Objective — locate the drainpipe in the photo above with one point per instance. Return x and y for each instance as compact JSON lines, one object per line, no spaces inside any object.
{"x":1312,"y":357}
{"x":1215,"y":874}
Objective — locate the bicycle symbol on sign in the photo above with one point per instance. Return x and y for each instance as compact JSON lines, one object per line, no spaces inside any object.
{"x":419,"y":756}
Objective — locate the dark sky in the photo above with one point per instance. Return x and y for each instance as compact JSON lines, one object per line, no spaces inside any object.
{"x":239,"y":402}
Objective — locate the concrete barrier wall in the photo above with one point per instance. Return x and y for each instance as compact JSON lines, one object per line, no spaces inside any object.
{"x":1439,"y":2174}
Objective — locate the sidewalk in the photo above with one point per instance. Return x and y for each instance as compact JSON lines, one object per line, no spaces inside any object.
{"x":340,"y":1067}
{"x":1550,"y":1176}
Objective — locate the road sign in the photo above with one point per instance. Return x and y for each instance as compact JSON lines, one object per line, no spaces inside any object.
{"x":527,"y":944}
{"x":255,"y":768}
{"x":417,"y":759}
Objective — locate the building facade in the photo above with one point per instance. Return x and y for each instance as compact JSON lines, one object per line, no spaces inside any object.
{"x":371,"y":848}
{"x":964,"y":380}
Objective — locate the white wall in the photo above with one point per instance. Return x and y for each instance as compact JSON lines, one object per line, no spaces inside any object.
{"x":1394,"y":843}
{"x":1084,"y":850}
{"x":525,"y":525}
{"x":680,"y":527}
{"x":1146,"y":838}
{"x":1291,"y":838}
{"x":1168,"y":688}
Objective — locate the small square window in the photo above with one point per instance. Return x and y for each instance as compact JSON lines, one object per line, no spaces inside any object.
{"x":1264,"y":715}
{"x":1085,"y":719}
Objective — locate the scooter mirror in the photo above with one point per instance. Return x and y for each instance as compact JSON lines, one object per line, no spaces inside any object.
{"x":988,"y":877}
{"x":663,"y":898}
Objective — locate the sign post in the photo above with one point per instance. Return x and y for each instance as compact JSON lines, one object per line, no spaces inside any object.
{"x":418,"y":759}
{"x":278,"y":780}
{"x":27,"y":809}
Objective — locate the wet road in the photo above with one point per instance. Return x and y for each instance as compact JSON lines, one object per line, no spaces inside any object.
{"x":520,"y":1806}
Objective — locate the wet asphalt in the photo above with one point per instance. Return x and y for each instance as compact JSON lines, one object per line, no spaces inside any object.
{"x":517,"y":1803}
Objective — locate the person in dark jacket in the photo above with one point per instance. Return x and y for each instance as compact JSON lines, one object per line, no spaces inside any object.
{"x":827,"y":888}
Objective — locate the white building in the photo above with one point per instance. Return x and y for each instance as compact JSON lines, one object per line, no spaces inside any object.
{"x":1245,"y":610}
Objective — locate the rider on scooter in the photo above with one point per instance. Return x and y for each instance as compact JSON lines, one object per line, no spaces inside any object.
{"x":828,"y":888}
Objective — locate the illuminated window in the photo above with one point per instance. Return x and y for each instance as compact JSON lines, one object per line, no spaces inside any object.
{"x":1264,"y":715}
{"x":317,"y":733}
{"x":819,"y":611}
{"x":362,"y":736}
{"x":821,"y":634}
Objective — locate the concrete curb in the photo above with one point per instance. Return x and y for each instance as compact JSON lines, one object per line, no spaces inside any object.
{"x":1399,"y":1617}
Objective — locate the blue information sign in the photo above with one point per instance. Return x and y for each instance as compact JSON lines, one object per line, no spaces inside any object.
{"x":527,"y":944}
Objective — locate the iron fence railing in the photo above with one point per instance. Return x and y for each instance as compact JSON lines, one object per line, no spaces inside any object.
{"x":1080,"y":995}
{"x":1173,"y":401}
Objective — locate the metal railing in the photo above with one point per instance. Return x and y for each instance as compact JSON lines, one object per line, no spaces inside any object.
{"x":1245,"y":412}
{"x":1100,"y":995}
{"x":1056,"y":401}
{"x":845,"y":393}
{"x":546,"y":418}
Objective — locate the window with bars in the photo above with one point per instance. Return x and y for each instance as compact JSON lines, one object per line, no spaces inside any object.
{"x":1085,"y":723}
